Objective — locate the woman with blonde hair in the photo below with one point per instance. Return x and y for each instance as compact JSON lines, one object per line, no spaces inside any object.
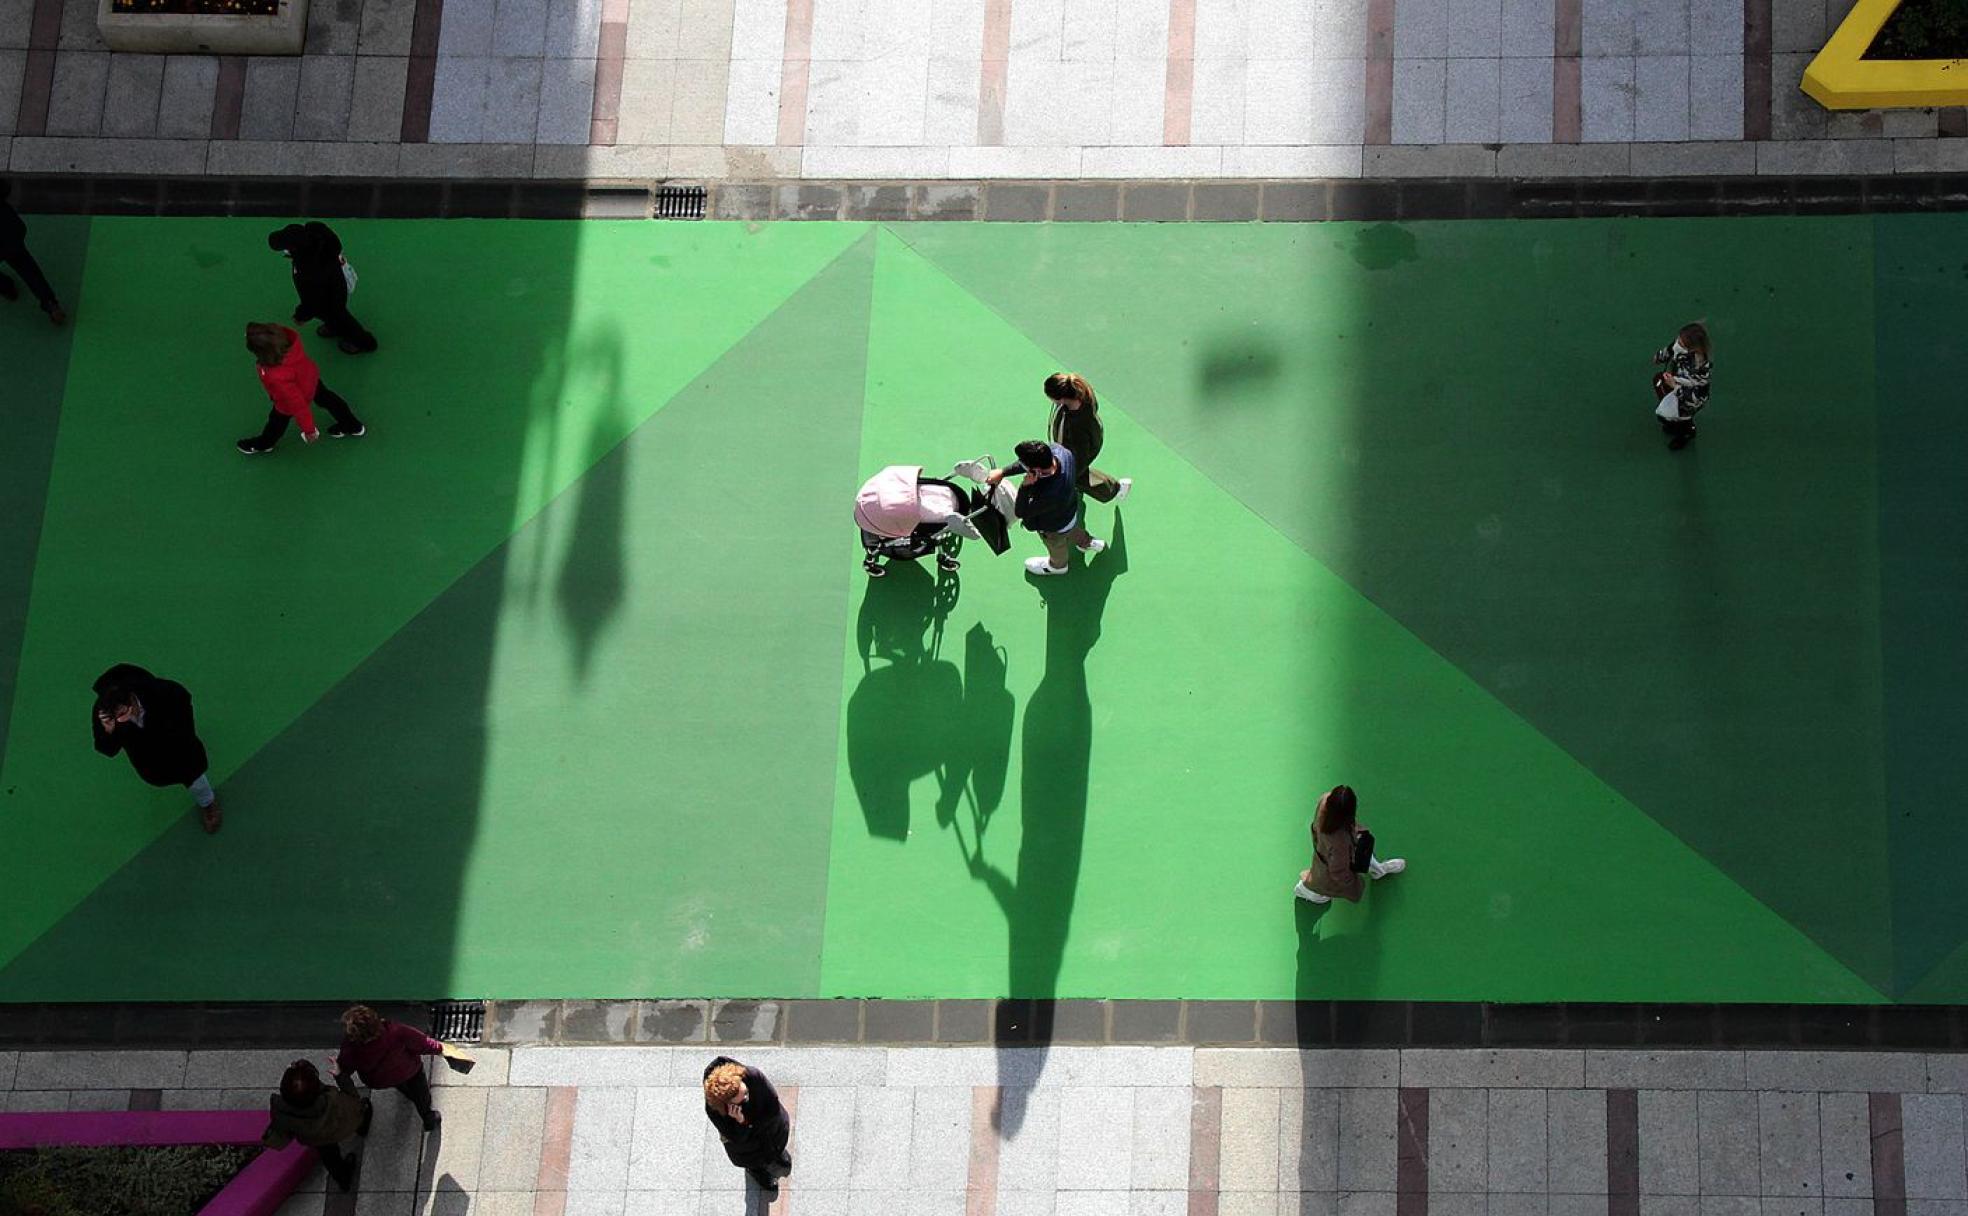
{"x":750,"y":1120}
{"x":388,"y":1055}
{"x":293,"y":381}
{"x":1075,"y":426}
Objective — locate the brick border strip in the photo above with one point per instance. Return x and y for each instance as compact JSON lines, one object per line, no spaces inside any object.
{"x":1012,"y":1022}
{"x":1012,"y":201}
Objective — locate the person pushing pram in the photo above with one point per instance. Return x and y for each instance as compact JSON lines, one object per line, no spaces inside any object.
{"x":905,"y":516}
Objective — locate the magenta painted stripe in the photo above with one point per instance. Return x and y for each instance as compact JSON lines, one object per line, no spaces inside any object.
{"x":94,"y":1128}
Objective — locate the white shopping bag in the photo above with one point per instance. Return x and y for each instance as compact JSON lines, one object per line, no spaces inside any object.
{"x":348,"y":275}
{"x":1669,"y":407}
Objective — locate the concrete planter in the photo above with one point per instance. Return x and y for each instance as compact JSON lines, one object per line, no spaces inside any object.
{"x":1841,"y":78}
{"x":198,"y":34}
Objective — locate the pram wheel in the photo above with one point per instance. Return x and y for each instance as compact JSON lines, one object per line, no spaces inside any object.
{"x":945,"y":562}
{"x":874,"y":567}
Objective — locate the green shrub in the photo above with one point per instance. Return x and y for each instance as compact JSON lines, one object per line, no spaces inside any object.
{"x":1923,"y":29}
{"x":169,"y":1180}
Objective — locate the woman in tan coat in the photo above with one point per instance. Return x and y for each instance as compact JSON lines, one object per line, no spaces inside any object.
{"x":1334,"y":828}
{"x":319,"y":1117}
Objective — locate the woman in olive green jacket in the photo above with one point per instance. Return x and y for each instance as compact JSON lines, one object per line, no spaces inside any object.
{"x":1075,"y":426}
{"x":306,"y":1110}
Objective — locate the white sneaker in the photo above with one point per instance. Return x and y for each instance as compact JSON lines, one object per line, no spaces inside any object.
{"x":1309,"y":895}
{"x":1093,"y":546}
{"x":1387,"y":869}
{"x":1127,"y":483}
{"x":1042,"y":566}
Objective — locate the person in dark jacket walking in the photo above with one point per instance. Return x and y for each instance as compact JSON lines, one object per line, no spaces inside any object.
{"x":1682,"y":390}
{"x":389,"y":1055}
{"x":13,"y":251}
{"x":1075,"y":426}
{"x":321,"y":280}
{"x":1048,"y":502}
{"x":306,"y":1110}
{"x":293,"y":382}
{"x":749,"y":1118}
{"x":149,"y":720}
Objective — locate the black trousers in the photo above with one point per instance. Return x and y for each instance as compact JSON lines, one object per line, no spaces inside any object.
{"x":418,"y":1090}
{"x":342,"y":324}
{"x":335,"y":1162}
{"x":327,"y":399}
{"x":30,"y":272}
{"x":771,"y":1172}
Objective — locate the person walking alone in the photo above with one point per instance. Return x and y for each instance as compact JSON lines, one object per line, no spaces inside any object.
{"x":1682,"y":390}
{"x":322,"y":280}
{"x":1338,"y":842}
{"x":293,"y":381}
{"x":750,"y":1120}
{"x":1048,"y":502}
{"x":1075,"y":426}
{"x":13,"y":251}
{"x":306,"y":1110}
{"x":389,"y":1055}
{"x":149,"y":720}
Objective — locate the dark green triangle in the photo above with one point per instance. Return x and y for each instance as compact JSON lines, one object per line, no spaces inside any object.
{"x":597,"y":765}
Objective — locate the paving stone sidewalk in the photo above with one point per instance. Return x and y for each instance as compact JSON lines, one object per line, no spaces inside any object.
{"x":934,"y":90}
{"x":1127,"y":1130}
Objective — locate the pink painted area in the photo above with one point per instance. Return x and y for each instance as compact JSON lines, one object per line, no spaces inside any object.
{"x":995,"y":72}
{"x":795,"y":70}
{"x":258,"y":1190}
{"x":1179,"y":93}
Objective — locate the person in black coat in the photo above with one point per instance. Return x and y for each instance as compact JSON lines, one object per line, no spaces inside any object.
{"x":13,"y":251}
{"x":322,"y":284}
{"x":149,"y":720}
{"x":749,"y":1118}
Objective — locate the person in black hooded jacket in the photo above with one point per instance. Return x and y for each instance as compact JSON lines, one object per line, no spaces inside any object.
{"x":149,"y":720}
{"x":320,"y":280}
{"x":750,"y":1119}
{"x":13,"y":252}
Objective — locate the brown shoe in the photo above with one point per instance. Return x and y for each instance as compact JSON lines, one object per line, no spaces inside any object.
{"x":209,"y":817}
{"x":57,"y":316}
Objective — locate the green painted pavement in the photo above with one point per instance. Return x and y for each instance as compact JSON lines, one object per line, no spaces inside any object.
{"x":1453,"y":418}
{"x":590,"y":766}
{"x":1178,"y":702}
{"x":262,"y":583}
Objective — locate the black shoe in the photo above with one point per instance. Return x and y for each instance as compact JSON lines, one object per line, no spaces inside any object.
{"x":354,"y":348}
{"x":9,"y":290}
{"x":345,"y":1179}
{"x":1681,"y":440}
{"x":338,"y":431}
{"x":432,"y":1120}
{"x":254,"y":446}
{"x":324,"y":331}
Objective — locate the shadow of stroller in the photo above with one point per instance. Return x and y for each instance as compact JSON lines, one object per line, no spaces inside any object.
{"x":1057,"y":743}
{"x":904,"y":717}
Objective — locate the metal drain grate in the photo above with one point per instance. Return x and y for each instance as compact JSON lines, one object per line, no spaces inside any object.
{"x":458,"y":1021}
{"x":680,"y":203}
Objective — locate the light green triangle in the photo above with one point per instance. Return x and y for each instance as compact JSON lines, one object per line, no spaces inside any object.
{"x":1232,"y":678}
{"x":261,"y":583}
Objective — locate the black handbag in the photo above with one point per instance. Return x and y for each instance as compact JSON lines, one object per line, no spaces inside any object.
{"x":1363,"y":847}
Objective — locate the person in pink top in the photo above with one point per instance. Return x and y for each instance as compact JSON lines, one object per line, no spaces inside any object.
{"x":293,"y":381}
{"x":388,"y":1055}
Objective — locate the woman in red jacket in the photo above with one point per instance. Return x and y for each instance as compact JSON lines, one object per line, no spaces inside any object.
{"x":388,"y":1055}
{"x":294,"y":383}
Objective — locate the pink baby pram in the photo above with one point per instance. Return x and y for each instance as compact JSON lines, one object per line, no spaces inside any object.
{"x":905,"y":516}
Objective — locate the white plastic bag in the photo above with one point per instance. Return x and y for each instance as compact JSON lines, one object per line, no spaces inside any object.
{"x":1669,"y":407}
{"x":348,"y":275}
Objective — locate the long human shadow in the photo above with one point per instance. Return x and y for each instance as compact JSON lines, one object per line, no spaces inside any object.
{"x":590,"y":589}
{"x":902,"y":718}
{"x":1056,"y":744}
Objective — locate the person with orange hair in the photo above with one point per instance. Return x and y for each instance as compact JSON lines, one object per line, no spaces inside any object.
{"x":749,"y":1118}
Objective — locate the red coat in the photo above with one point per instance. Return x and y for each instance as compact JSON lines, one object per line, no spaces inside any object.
{"x":292,"y":383}
{"x":389,"y":1059}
